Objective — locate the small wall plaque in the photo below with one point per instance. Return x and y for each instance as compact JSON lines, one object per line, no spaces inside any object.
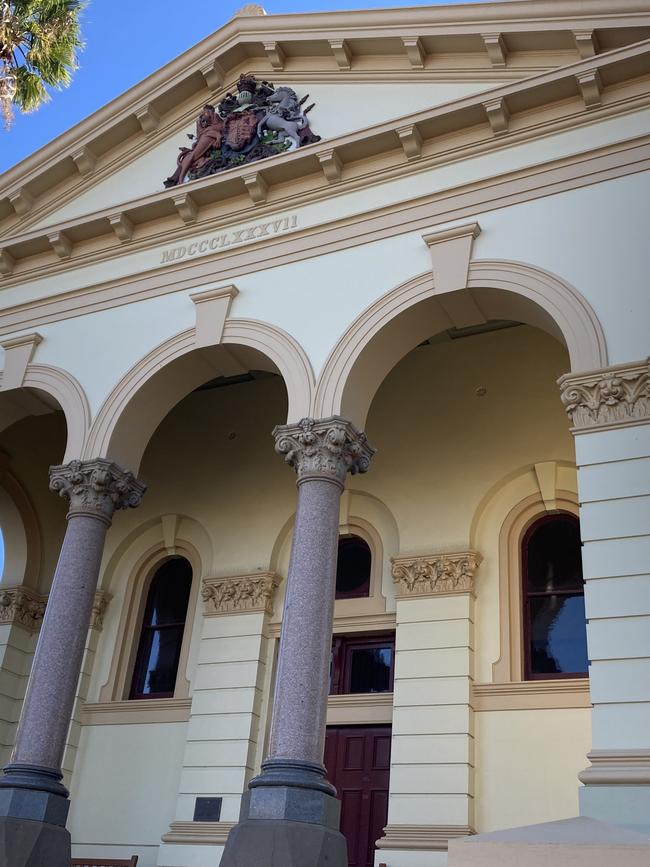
{"x":207,"y":809}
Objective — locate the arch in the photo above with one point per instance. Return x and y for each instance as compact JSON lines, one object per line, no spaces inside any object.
{"x":143,"y":397}
{"x":53,"y":383}
{"x":129,"y":568}
{"x":21,"y":534}
{"x":411,"y":313}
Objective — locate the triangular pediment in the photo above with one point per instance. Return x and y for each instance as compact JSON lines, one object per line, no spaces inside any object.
{"x":360,"y":68}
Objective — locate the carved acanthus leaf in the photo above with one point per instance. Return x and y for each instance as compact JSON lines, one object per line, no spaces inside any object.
{"x":611,"y":397}
{"x":238,"y":594}
{"x":329,"y":447}
{"x":97,"y":487}
{"x":100,"y":604}
{"x":19,"y":605}
{"x":432,"y":574}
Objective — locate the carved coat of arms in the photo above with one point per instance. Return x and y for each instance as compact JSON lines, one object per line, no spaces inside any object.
{"x":256,"y":122}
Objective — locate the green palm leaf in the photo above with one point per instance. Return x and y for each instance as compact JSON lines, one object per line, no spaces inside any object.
{"x":39,"y":41}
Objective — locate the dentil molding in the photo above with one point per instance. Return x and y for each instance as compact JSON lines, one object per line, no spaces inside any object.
{"x":240,"y":594}
{"x":612,"y":397}
{"x":434,"y":574}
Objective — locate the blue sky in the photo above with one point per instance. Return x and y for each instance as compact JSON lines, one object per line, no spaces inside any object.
{"x":126,"y":40}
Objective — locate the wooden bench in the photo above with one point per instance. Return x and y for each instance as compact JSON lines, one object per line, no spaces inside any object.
{"x":105,"y":862}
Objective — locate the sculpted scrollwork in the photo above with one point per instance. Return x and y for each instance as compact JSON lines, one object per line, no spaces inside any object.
{"x":100,"y":604}
{"x":432,"y":574}
{"x":97,"y":487}
{"x":614,"y":396}
{"x":18,"y":605}
{"x":330,"y":447}
{"x":240,"y":593}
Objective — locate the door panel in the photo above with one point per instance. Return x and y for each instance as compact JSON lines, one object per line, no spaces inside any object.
{"x":358,"y":763}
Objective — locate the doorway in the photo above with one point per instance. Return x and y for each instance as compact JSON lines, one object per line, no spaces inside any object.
{"x":357,"y":759}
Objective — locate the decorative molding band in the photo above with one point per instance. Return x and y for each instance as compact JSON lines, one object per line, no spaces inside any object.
{"x":360,"y":709}
{"x":100,"y":604}
{"x":351,"y":623}
{"x":531,"y":695}
{"x":240,"y":594}
{"x":435,"y":574}
{"x":23,"y":607}
{"x":613,"y":397}
{"x":153,"y":710}
{"x":198,"y":833}
{"x":617,"y":768}
{"x":428,"y":838}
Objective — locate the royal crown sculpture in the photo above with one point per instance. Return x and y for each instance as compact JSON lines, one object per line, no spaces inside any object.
{"x":258,"y":121}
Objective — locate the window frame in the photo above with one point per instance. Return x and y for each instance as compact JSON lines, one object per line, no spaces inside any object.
{"x":526,"y":595}
{"x":342,"y":648}
{"x":146,"y":627}
{"x":367,"y":585}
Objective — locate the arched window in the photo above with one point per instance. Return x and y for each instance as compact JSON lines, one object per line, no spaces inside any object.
{"x":353,"y":568}
{"x":555,"y":635}
{"x":161,"y":637}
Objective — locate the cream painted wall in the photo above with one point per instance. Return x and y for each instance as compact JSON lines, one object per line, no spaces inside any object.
{"x":527,"y":764}
{"x":340,"y":109}
{"x":124,"y":796}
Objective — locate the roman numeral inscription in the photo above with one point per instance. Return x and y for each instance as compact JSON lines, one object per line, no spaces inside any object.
{"x":235,"y":238}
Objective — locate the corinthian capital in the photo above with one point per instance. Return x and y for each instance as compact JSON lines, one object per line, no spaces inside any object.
{"x":327,"y":447}
{"x":97,"y":487}
{"x":612,"y":397}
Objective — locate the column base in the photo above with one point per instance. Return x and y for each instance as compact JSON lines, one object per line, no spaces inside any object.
{"x":281,"y":843}
{"x":289,"y":818}
{"x":29,"y":843}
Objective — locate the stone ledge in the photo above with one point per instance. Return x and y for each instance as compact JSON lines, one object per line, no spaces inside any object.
{"x":198,"y":833}
{"x":531,"y":695}
{"x":144,"y":711}
{"x":427,"y":838}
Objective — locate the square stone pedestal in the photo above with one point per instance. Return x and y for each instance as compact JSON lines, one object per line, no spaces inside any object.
{"x":580,"y":842}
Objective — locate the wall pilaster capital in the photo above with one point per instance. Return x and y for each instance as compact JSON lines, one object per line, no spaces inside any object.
{"x":97,"y":487}
{"x":22,"y":606}
{"x":329,"y":448}
{"x":612,"y":397}
{"x":240,"y":594}
{"x":100,"y":604}
{"x":435,"y":574}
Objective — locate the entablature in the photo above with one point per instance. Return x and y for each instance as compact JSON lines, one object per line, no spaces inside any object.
{"x":493,"y":41}
{"x":538,"y":106}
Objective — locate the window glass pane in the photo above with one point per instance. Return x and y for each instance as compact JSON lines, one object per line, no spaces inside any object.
{"x":353,"y":567}
{"x":370,"y":669}
{"x":159,"y":655}
{"x":169,"y":594}
{"x":553,"y":556}
{"x":558,"y":639}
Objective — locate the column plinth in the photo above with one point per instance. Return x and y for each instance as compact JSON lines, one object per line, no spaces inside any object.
{"x":33,"y":801}
{"x":290,"y":815}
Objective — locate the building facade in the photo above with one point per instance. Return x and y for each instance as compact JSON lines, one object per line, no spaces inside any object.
{"x":424,"y":299}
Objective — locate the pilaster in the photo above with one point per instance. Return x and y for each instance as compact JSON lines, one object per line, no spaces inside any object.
{"x":431,"y":796}
{"x":610,"y":415}
{"x":225,"y":733}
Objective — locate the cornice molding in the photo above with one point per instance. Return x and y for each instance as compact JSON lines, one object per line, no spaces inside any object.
{"x":69,"y":242}
{"x":616,"y":396}
{"x":218,"y":57}
{"x":139,"y":711}
{"x":531,"y":695}
{"x":250,"y":593}
{"x":435,"y":574}
{"x":522,"y":185}
{"x":427,"y":838}
{"x":21,"y":606}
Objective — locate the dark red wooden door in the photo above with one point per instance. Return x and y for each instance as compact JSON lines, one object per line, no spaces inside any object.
{"x":358,"y":764}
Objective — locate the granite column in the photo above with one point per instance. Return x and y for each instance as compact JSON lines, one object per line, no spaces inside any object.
{"x":33,"y":801}
{"x":290,"y":815}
